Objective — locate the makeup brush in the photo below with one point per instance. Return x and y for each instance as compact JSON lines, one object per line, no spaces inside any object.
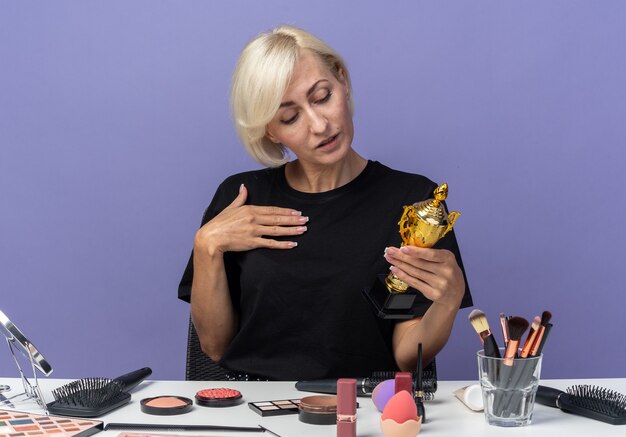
{"x":530,"y":339}
{"x":505,"y":329}
{"x":586,"y":400}
{"x":479,"y":321}
{"x":517,"y":326}
{"x":93,"y":397}
{"x":544,"y":337}
{"x":546,"y":316}
{"x":418,"y":392}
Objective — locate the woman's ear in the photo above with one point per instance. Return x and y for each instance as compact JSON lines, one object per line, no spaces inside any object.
{"x":341,"y":75}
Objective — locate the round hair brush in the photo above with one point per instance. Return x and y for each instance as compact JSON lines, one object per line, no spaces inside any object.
{"x":586,"y":400}
{"x":93,"y":397}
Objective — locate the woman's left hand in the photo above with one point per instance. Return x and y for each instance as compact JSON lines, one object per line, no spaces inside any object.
{"x":434,"y":272}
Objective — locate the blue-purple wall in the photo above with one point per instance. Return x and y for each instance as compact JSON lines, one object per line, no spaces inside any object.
{"x":115,"y":131}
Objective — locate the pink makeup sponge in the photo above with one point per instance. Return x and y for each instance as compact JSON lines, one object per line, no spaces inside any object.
{"x":382,"y":393}
{"x":399,"y":417}
{"x":401,"y":407}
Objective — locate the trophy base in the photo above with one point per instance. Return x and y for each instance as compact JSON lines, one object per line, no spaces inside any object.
{"x":390,"y":305}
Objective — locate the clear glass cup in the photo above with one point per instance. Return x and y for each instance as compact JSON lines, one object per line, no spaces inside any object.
{"x":509,"y":388}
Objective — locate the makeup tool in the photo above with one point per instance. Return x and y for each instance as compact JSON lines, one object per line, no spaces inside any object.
{"x":150,"y":434}
{"x":179,"y":428}
{"x":517,"y":326}
{"x":479,"y":321}
{"x":17,"y":424}
{"x":17,"y":341}
{"x":589,"y":401}
{"x":365,"y":386}
{"x":521,"y":376}
{"x":93,"y":397}
{"x":382,"y":393}
{"x":505,"y":329}
{"x":346,"y":407}
{"x":218,"y":397}
{"x":318,"y":410}
{"x":546,"y":316}
{"x":429,"y":377}
{"x":418,"y":393}
{"x":15,"y":338}
{"x":471,"y":396}
{"x":530,"y":339}
{"x":166,"y":405}
{"x":275,"y":408}
{"x":386,"y":389}
{"x":399,"y":418}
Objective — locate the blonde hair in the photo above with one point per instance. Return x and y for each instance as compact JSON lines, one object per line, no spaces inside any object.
{"x":259,"y":82}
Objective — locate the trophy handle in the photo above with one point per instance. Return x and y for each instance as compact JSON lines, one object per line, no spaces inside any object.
{"x":451,"y":219}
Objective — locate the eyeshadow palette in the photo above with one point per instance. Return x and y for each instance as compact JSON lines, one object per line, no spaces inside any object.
{"x":20,"y":424}
{"x":275,"y":408}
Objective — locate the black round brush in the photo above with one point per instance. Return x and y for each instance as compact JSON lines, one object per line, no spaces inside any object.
{"x":93,"y":397}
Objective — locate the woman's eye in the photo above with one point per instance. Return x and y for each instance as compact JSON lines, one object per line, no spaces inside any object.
{"x":290,"y":120}
{"x":325,"y":98}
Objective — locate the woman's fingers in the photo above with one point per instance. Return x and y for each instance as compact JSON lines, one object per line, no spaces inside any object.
{"x":434,"y":272}
{"x":242,"y":227}
{"x":240,"y":200}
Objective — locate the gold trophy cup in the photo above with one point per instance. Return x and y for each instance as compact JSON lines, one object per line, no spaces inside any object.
{"x":422,"y":224}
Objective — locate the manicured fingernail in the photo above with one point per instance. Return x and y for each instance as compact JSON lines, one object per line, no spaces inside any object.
{"x":385,"y":252}
{"x":293,"y":244}
{"x":241,"y":188}
{"x":301,"y":228}
{"x":296,"y":213}
{"x":303,"y":219}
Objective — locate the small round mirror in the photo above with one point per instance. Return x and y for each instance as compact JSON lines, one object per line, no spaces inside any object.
{"x":21,"y":343}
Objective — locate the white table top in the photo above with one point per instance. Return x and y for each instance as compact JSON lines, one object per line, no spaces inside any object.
{"x":446,"y":416}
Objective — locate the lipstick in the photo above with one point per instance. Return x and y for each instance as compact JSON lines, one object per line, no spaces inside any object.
{"x":346,"y":407}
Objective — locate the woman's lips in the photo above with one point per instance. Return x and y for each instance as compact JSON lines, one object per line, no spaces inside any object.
{"x":328,"y":141}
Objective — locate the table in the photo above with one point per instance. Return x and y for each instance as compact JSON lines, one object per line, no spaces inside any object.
{"x":446,"y":415}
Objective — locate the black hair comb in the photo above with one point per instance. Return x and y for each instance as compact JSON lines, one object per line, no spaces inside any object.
{"x":586,"y":400}
{"x":93,"y":397}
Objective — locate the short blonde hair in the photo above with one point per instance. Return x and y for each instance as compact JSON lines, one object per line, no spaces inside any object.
{"x":259,"y":82}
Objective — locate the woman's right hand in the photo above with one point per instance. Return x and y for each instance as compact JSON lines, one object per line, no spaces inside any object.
{"x":240,"y":227}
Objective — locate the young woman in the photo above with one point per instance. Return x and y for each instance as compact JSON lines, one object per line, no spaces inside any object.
{"x":279,"y":265}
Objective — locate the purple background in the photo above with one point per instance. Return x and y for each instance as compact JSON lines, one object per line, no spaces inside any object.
{"x":115,"y":131}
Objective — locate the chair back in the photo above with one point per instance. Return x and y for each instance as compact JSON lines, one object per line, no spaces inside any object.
{"x":199,"y":366}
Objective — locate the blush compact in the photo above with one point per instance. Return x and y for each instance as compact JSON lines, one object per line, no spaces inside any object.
{"x":166,"y":405}
{"x":218,"y":397}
